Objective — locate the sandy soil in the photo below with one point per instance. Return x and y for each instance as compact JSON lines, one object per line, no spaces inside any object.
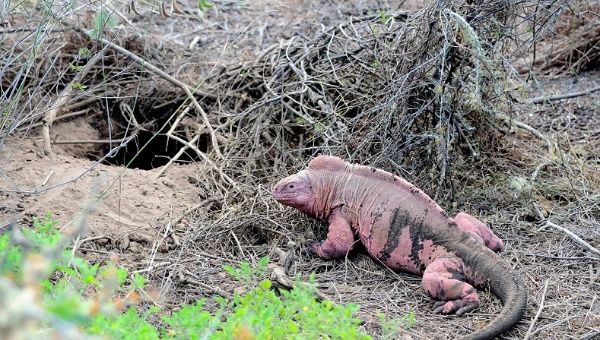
{"x":131,"y":206}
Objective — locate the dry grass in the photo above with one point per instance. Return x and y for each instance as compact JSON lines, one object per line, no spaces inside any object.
{"x":417,"y":93}
{"x":578,"y":48}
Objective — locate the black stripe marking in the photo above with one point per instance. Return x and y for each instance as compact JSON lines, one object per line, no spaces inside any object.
{"x":417,"y":236}
{"x":400,"y":220}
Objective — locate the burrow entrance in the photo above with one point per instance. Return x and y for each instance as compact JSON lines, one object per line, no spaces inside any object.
{"x":150,"y":148}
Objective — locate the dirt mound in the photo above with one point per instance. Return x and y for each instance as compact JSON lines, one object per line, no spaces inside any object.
{"x":132,"y":204}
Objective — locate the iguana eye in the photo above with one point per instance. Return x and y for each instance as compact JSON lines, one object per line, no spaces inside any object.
{"x":291,"y":186}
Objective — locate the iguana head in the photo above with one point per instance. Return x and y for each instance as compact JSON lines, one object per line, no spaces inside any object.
{"x":295,"y":191}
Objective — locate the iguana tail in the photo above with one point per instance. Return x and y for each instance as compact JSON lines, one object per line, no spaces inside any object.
{"x":510,"y":288}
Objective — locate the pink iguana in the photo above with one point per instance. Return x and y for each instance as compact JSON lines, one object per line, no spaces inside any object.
{"x":405,"y":229}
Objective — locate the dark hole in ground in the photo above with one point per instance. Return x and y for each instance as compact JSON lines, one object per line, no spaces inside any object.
{"x":151,"y":150}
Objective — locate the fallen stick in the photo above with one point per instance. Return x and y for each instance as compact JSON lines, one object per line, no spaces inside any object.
{"x":56,"y":119}
{"x":278,"y":275}
{"x":528,"y":128}
{"x":216,"y":290}
{"x":190,"y":210}
{"x":573,"y":236}
{"x":539,"y":312}
{"x":91,"y":141}
{"x":569,"y":233}
{"x":542,"y":99}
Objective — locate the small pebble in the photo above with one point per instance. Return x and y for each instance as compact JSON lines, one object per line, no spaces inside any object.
{"x":124,"y":243}
{"x":101,"y":241}
{"x":135,"y":247}
{"x":169,"y":183}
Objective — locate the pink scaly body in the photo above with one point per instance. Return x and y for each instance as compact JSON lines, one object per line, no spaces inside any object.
{"x":406,"y":230}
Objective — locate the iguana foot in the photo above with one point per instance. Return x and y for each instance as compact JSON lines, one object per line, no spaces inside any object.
{"x":443,"y":280}
{"x":459,"y":307}
{"x":316,"y":248}
{"x":479,"y":231}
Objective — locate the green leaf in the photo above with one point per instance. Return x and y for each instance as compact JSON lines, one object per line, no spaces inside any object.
{"x":265,"y":284}
{"x":102,"y":20}
{"x":139,"y":282}
{"x":204,"y":5}
{"x":383,"y":16}
{"x":83,"y":52}
{"x":78,"y":86}
{"x":263,"y":263}
{"x":77,"y":68}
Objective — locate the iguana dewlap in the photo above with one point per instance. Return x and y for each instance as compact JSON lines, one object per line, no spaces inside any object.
{"x":406,"y":230}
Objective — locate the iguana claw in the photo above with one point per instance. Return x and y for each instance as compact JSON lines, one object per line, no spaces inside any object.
{"x":459,"y":307}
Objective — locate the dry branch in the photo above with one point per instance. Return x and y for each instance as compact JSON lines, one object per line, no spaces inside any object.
{"x":144,"y":64}
{"x":63,"y":98}
{"x":207,"y":124}
{"x":511,"y":121}
{"x":279,"y":276}
{"x":539,"y":312}
{"x":93,"y":141}
{"x":213,"y":289}
{"x":56,"y":119}
{"x":569,"y":233}
{"x":544,"y":99}
{"x":204,"y":157}
{"x":177,"y":155}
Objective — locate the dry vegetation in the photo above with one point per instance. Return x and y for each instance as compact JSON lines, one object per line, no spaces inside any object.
{"x":251,"y":91}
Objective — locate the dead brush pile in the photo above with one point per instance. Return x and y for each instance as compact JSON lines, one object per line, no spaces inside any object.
{"x":416,"y":92}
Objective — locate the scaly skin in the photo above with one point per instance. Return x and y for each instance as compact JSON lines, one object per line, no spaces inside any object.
{"x":405,"y":229}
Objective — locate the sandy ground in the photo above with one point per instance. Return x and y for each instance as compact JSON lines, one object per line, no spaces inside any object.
{"x":131,"y":206}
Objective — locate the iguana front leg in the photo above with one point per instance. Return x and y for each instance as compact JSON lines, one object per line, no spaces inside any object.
{"x":340,"y":238}
{"x":443,"y":280}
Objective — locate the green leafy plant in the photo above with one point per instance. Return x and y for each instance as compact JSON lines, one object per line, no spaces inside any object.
{"x":83,"y":52}
{"x":97,"y":299}
{"x":383,"y":16}
{"x":129,"y":325}
{"x":67,"y":291}
{"x":245,"y":273}
{"x":267,"y":313}
{"x":393,"y":329}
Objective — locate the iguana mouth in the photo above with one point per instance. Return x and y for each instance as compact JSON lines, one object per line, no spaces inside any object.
{"x":281,"y":196}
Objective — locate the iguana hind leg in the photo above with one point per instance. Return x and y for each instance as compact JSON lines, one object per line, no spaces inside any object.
{"x":443,"y":280}
{"x":479,"y":231}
